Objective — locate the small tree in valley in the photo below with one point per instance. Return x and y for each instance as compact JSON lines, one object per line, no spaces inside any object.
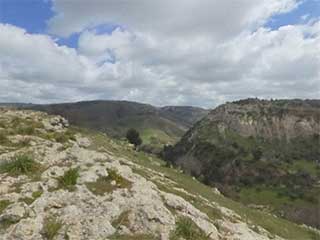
{"x":133,"y":137}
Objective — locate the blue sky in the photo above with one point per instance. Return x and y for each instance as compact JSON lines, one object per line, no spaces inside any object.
{"x":307,"y":10}
{"x":28,"y":14}
{"x":32,"y":15}
{"x":165,"y":53}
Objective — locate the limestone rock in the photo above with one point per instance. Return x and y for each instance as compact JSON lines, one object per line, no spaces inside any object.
{"x":139,"y":207}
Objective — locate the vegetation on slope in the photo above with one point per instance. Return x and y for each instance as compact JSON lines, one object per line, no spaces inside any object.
{"x":158,"y":126}
{"x":171,"y":181}
{"x":273,"y":224}
{"x":235,"y":149}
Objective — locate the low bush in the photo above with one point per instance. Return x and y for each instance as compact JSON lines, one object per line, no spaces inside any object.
{"x":26,"y":130}
{"x":69,"y":179}
{"x":5,"y":223}
{"x":20,"y":165}
{"x":133,"y":137}
{"x":51,"y":227}
{"x":3,"y":205}
{"x":3,"y":138}
{"x":63,"y":137}
{"x":104,"y":184}
{"x":188,"y":230}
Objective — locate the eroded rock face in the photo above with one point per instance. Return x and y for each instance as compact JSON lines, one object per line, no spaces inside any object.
{"x":107,"y":197}
{"x":257,"y":144}
{"x":287,"y":119}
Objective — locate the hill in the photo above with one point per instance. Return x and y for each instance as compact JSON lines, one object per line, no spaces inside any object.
{"x":158,"y":126}
{"x":60,"y":182}
{"x":262,"y":153}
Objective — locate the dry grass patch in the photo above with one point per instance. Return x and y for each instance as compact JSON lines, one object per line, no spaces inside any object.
{"x":123,"y":219}
{"x":6,"y":223}
{"x":21,"y":165}
{"x":69,"y":179}
{"x":108,"y":183}
{"x":3,"y":138}
{"x":3,"y":205}
{"x":188,"y":230}
{"x":51,"y":227}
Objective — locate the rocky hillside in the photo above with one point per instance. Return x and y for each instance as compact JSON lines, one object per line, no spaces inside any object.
{"x":280,"y":119}
{"x":59,"y":182}
{"x":263,"y":153}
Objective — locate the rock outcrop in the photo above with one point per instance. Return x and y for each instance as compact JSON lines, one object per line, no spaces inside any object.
{"x":55,"y":184}
{"x":282,"y":119}
{"x":271,"y":146}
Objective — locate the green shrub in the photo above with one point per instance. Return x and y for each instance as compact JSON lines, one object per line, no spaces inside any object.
{"x":5,"y":223}
{"x":27,"y":200}
{"x":69,"y":179}
{"x":37,"y":194}
{"x":188,"y":230}
{"x":61,"y":138}
{"x":21,"y":164}
{"x":51,"y":227}
{"x":3,"y":205}
{"x":64,"y":137}
{"x":120,"y":181}
{"x":26,"y":130}
{"x":3,"y":138}
{"x":103,"y":184}
{"x":133,"y":137}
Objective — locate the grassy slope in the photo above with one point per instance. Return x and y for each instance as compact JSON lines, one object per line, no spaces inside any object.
{"x":155,"y":131}
{"x":274,"y":225}
{"x":151,"y":136}
{"x":279,"y":195}
{"x":116,"y":117}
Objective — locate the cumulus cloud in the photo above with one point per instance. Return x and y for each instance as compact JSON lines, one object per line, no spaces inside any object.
{"x":180,"y":17}
{"x":163,"y":52}
{"x":34,"y":68}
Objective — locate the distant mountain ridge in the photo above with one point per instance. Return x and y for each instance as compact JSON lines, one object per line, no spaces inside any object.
{"x":259,"y":152}
{"x":157,"y":125}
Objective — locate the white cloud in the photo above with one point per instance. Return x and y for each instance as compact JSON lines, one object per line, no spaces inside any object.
{"x":166,"y":52}
{"x":217,"y":18}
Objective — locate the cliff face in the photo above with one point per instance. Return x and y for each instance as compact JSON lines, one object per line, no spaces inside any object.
{"x":268,"y":119}
{"x":252,"y":144}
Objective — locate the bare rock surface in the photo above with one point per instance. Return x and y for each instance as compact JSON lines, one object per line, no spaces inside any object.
{"x":107,"y":198}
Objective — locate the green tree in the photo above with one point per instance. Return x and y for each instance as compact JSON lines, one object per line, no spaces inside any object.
{"x":133,"y":137}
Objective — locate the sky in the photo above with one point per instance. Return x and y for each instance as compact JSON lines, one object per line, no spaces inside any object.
{"x":162,"y":52}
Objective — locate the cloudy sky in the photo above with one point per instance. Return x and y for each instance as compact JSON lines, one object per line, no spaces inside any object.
{"x":163,"y":52}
